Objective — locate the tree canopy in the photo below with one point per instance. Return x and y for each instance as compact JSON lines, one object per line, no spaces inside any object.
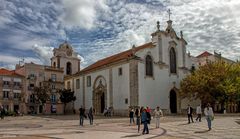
{"x":41,"y":94}
{"x":66,"y":96}
{"x":215,"y":81}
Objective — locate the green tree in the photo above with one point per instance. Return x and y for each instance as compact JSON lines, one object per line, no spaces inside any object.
{"x":42,"y":95}
{"x":66,"y":96}
{"x":215,"y":81}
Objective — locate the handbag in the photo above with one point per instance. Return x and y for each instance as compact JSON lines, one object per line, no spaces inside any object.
{"x":211,"y":118}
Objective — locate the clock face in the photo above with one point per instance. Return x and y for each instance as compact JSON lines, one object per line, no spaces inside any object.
{"x":69,"y":53}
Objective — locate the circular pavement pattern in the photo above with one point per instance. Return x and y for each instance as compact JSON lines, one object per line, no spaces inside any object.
{"x":20,"y":126}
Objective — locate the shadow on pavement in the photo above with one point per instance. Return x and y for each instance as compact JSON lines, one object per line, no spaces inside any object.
{"x":133,"y":135}
{"x":184,"y":124}
{"x":204,"y":131}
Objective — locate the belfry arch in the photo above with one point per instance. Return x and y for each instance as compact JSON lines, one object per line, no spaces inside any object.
{"x":99,"y":96}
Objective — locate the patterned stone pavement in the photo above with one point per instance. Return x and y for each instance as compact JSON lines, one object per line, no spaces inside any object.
{"x":67,"y":127}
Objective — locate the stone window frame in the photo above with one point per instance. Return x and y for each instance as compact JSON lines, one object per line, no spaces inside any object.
{"x":126,"y":100}
{"x":77,"y":83}
{"x":152,"y":64}
{"x":173,"y":46}
{"x":68,"y":85}
{"x":6,"y":83}
{"x":89,"y":81}
{"x":16,"y":95}
{"x":6,"y":94}
{"x":120,"y":71}
{"x":54,"y":77}
{"x":53,"y":98}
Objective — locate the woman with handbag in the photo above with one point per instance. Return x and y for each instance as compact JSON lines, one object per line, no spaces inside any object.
{"x":209,"y":116}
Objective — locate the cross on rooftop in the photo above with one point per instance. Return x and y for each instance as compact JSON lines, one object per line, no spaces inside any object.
{"x":169,"y":13}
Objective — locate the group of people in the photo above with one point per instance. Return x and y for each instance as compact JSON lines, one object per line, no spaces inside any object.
{"x":107,"y":112}
{"x":83,"y":115}
{"x":208,"y":111}
{"x":143,"y":116}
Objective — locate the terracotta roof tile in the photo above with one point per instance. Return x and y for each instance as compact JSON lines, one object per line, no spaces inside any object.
{"x":8,"y":72}
{"x":115,"y":58}
{"x":204,"y":54}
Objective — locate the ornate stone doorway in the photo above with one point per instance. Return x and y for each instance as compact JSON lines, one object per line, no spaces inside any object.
{"x":173,"y":101}
{"x":99,"y":96}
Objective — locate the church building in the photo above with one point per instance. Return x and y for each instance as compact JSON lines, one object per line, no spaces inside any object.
{"x":145,"y":75}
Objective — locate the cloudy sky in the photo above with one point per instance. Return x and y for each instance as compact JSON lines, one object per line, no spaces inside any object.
{"x":99,"y":28}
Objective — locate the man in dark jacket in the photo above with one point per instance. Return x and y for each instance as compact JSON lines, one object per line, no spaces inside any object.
{"x":189,"y":113}
{"x":144,"y":120}
{"x":82,"y":115}
{"x":90,"y":115}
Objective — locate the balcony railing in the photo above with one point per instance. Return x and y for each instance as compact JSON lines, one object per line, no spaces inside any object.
{"x":17,"y":87}
{"x":31,"y":77}
{"x":30,"y":88}
{"x":6,"y":86}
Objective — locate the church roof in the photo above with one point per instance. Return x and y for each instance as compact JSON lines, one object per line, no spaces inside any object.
{"x":116,"y":57}
{"x":204,"y":54}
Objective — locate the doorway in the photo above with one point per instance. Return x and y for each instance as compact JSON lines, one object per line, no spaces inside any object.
{"x":173,"y":101}
{"x":102,"y":102}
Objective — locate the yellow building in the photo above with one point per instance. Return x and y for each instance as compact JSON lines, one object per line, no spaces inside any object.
{"x":42,"y":76}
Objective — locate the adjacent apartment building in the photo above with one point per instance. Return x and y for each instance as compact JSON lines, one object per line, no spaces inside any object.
{"x":12,"y":91}
{"x":41,"y":76}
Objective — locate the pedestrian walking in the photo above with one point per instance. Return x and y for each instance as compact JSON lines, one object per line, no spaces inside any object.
{"x":148,"y":112}
{"x":157,"y":114}
{"x":144,"y":120}
{"x":105,"y":112}
{"x":189,"y":113}
{"x":82,"y":115}
{"x":209,"y":115}
{"x":199,"y":113}
{"x":138,"y":114}
{"x":90,"y":115}
{"x":2,"y":109}
{"x":131,"y":116}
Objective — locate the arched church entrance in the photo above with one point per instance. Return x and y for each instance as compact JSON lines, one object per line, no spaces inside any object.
{"x":173,"y":101}
{"x":99,"y":95}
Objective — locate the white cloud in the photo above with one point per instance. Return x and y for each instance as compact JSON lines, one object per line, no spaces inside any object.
{"x":44,"y":53}
{"x":207,"y":25}
{"x":10,"y":61}
{"x":81,"y":13}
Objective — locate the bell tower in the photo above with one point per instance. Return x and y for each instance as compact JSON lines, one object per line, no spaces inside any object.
{"x":65,"y":57}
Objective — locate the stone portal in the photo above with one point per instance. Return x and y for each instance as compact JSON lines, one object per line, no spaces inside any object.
{"x":99,"y":96}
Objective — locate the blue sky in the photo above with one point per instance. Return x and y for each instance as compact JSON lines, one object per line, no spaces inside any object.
{"x":99,"y":28}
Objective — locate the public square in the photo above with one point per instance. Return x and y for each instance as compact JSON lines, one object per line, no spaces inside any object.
{"x":67,"y":127}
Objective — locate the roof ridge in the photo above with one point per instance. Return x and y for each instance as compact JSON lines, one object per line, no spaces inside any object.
{"x":116,"y":57}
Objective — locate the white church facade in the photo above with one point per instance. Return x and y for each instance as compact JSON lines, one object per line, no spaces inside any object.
{"x":146,"y":75}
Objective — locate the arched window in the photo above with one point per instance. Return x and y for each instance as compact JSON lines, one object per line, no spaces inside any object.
{"x":173,"y":61}
{"x":54,"y":64}
{"x":69,"y":68}
{"x":149,"y":66}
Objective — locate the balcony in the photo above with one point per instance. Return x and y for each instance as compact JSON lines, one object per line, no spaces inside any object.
{"x":17,"y":87}
{"x":6,"y":86}
{"x":32,"y":77}
{"x":30,"y":88}
{"x":7,"y":98}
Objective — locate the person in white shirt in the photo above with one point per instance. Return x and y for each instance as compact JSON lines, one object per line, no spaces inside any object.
{"x":157,"y":114}
{"x":199,"y":113}
{"x":209,"y":116}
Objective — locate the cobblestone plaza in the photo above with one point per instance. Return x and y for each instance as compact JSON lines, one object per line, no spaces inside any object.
{"x":67,"y":127}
